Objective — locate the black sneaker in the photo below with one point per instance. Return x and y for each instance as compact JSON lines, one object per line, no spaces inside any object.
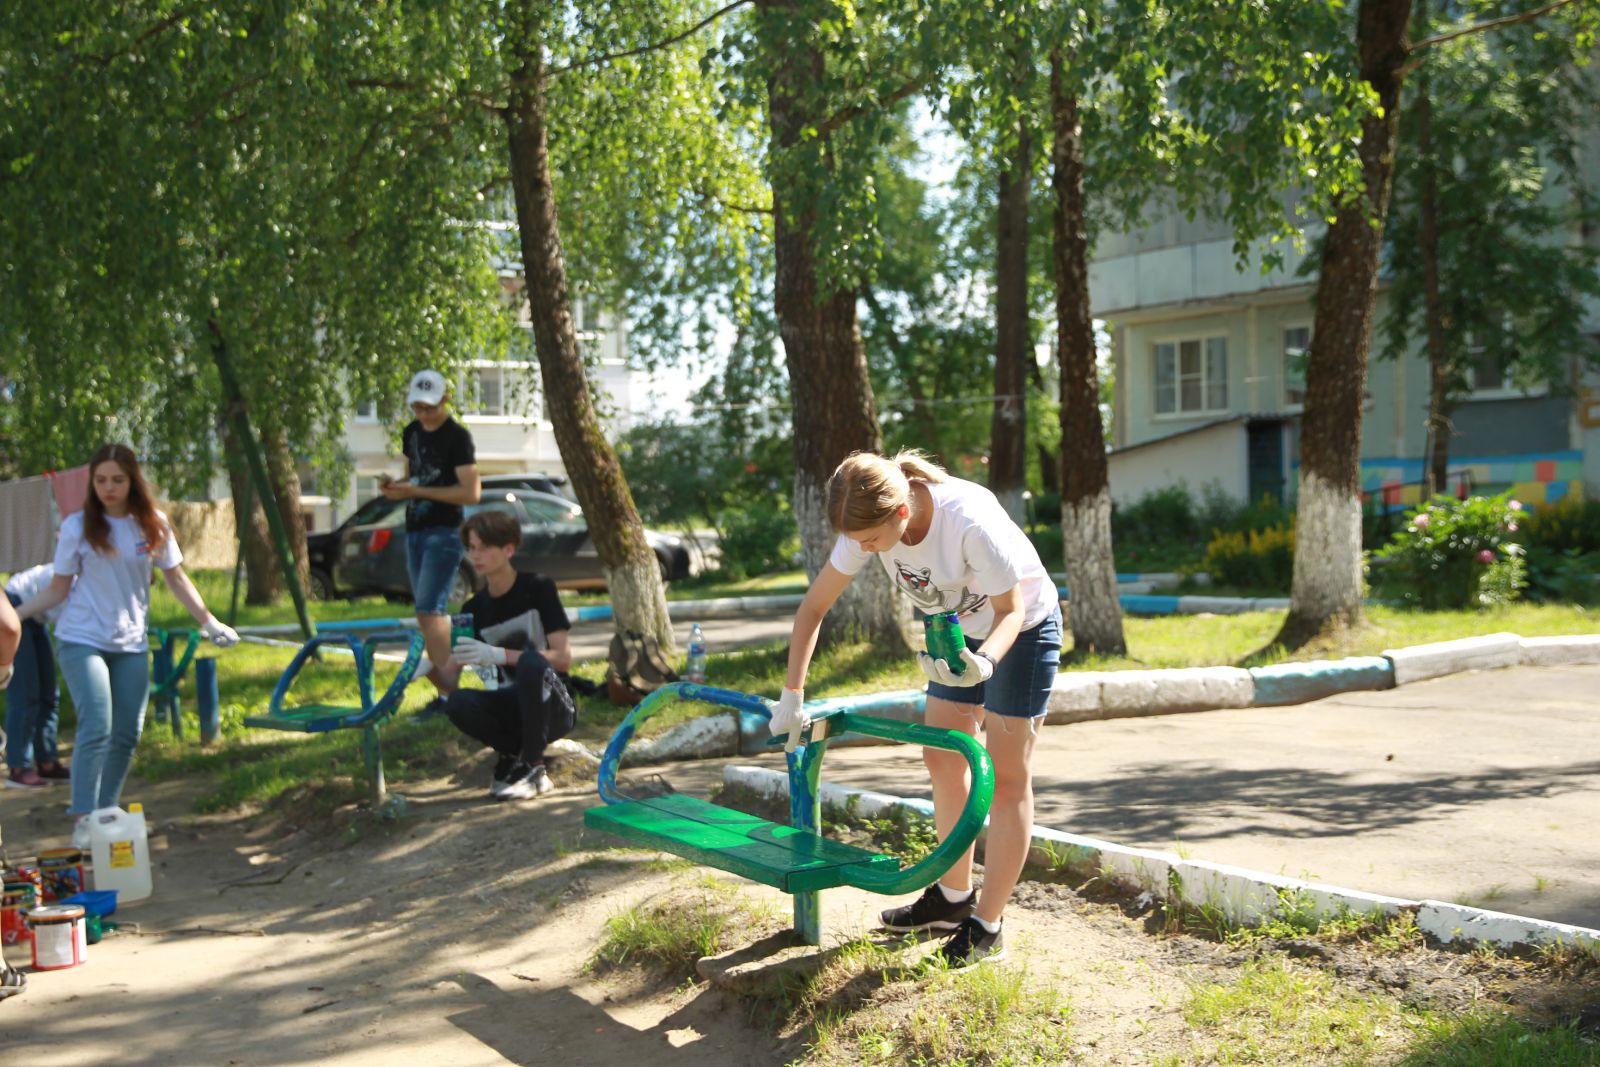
{"x":526,"y":782}
{"x":502,"y":773}
{"x":431,"y":708}
{"x":930,"y":911}
{"x":972,"y":945}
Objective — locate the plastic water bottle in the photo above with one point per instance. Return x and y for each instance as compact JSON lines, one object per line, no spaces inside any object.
{"x":695,"y":670}
{"x":118,"y":841}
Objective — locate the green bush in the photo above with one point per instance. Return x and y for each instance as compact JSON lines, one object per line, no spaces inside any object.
{"x":1257,"y":559}
{"x":1568,"y":525}
{"x":1566,"y":577}
{"x":1164,"y":515}
{"x":1455,"y":554}
{"x":757,"y":540}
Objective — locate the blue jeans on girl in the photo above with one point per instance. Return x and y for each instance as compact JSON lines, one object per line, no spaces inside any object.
{"x":109,"y":690}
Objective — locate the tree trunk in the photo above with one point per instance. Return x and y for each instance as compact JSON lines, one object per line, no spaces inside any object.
{"x":638,"y":596}
{"x":834,"y":411}
{"x":285,"y":475}
{"x":263,"y":580}
{"x":1327,"y":561}
{"x":1436,"y":453}
{"x":1008,"y":430}
{"x":1096,"y":613}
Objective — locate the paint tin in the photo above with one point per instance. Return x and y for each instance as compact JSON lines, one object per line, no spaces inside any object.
{"x":20,"y":898}
{"x":944,"y":639}
{"x":28,"y":872}
{"x":63,"y":873}
{"x":60,"y":937}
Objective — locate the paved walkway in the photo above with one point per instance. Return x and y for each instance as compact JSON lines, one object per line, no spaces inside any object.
{"x":1479,"y":788}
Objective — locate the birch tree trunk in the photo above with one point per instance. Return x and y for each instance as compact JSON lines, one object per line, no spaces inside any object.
{"x":1096,"y":613}
{"x":1327,"y":560}
{"x":638,"y":597}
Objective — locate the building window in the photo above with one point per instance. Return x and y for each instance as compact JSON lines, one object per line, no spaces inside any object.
{"x":1484,"y":373}
{"x":367,"y":411}
{"x":1192,"y":376}
{"x":589,"y":315}
{"x":496,"y":390}
{"x":1296,"y":353}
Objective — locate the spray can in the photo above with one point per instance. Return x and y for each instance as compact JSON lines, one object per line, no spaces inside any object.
{"x":944,"y":639}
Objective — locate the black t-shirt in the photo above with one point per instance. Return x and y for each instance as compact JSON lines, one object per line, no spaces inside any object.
{"x":524,"y":617}
{"x":434,"y":458}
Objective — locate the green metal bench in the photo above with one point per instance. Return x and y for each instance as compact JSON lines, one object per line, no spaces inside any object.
{"x":795,"y":858}
{"x":167,"y":669}
{"x":368,"y":717}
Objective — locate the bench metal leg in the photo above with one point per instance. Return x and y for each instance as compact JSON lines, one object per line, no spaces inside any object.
{"x":805,"y":813}
{"x":388,"y":805}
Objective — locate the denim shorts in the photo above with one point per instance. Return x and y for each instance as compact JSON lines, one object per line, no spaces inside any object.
{"x":1022,"y":679}
{"x":433,"y":554}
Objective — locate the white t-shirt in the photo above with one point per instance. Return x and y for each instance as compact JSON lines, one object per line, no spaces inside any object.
{"x":110,"y":602}
{"x":25,"y":585}
{"x":972,"y":551}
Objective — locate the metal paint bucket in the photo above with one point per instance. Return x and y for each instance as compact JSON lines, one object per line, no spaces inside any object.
{"x":63,"y":873}
{"x":60,"y":937}
{"x":20,"y":898}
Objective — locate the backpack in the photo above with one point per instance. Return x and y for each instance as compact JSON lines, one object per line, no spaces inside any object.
{"x":635,"y":667}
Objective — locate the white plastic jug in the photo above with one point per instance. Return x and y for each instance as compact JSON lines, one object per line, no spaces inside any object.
{"x":121,"y":852}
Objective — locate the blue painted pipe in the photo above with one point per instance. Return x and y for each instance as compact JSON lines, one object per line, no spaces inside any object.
{"x":207,"y":699}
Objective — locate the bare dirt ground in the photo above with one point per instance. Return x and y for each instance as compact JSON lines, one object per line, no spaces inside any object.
{"x":461,"y":935}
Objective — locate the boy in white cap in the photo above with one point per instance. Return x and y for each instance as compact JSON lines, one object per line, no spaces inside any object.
{"x":441,"y":478}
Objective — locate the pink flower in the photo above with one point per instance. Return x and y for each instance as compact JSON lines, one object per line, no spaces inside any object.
{"x":1486,"y":556}
{"x":1512,"y":527}
{"x":1421,"y":519}
{"x":1515,"y":505}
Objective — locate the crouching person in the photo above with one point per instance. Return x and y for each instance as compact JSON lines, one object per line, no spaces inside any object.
{"x":520,"y":650}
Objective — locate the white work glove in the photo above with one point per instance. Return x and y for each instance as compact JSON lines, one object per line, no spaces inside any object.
{"x":470,"y":652}
{"x":979,"y":670}
{"x":5,"y":675}
{"x":787,"y":718}
{"x":222,"y":635}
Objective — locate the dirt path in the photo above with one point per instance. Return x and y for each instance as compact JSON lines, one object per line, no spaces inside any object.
{"x":460,"y":935}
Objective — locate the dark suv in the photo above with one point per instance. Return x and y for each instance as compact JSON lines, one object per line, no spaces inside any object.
{"x":370,"y":552}
{"x":539,"y":482}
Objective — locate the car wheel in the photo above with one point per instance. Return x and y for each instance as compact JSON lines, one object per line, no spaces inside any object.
{"x":321,"y":585}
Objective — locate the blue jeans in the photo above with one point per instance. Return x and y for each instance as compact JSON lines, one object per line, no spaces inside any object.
{"x":109,"y":690}
{"x":32,"y":698}
{"x":1023,"y":677}
{"x":433,"y":554}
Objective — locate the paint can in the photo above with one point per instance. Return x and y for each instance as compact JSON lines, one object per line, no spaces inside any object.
{"x":20,"y":898}
{"x":63,"y":873}
{"x":28,"y":872}
{"x":60,"y":937}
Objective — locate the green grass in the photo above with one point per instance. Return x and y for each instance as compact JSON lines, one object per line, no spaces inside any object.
{"x":993,"y":1016}
{"x":1275,"y":1011}
{"x":671,"y":932}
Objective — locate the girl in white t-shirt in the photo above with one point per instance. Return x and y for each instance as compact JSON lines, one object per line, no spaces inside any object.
{"x":950,"y":546}
{"x":104,"y":559}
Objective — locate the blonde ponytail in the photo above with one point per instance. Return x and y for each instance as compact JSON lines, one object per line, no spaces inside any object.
{"x":867,"y":489}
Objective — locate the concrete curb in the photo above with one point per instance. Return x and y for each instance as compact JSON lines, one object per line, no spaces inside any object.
{"x":1085,"y":696}
{"x":1421,"y":662}
{"x":1245,"y":896}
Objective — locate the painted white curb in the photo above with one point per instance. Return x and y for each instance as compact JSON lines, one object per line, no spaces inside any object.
{"x":1420,"y":662}
{"x":1561,"y":651}
{"x":1245,"y":896}
{"x":1127,"y":693}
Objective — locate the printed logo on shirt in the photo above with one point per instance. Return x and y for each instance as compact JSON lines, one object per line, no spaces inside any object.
{"x":142,"y":548}
{"x":917,"y":583}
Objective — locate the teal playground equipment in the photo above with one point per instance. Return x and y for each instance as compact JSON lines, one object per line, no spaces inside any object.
{"x":362,"y":640}
{"x":167,"y":668}
{"x":795,"y":858}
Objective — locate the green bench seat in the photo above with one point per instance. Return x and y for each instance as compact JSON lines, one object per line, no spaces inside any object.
{"x":795,"y":861}
{"x":306,"y":719}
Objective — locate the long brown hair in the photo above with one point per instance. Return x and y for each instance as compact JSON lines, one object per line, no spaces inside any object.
{"x":141,"y":508}
{"x":867,"y":488}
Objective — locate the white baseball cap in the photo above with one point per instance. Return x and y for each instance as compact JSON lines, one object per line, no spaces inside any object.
{"x":427,"y":387}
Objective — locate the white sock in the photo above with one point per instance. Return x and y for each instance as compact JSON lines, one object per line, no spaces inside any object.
{"x":993,"y":928}
{"x":954,"y":896}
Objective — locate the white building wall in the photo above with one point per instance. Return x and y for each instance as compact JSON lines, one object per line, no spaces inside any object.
{"x":1217,"y":454}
